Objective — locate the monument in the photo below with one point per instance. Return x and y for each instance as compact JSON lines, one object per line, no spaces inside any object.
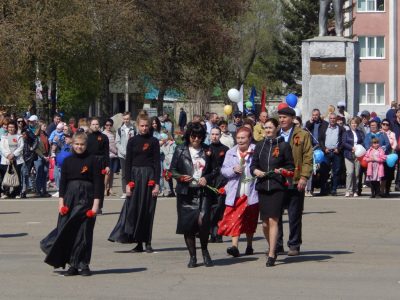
{"x":330,"y":67}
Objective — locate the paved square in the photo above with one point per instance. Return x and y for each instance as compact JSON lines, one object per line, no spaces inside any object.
{"x":350,"y":251}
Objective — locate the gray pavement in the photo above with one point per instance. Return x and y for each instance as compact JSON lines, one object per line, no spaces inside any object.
{"x":350,"y":251}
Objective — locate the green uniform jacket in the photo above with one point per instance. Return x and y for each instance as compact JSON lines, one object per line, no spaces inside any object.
{"x":302,"y":153}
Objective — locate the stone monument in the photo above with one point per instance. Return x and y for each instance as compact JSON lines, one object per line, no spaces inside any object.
{"x":330,"y":73}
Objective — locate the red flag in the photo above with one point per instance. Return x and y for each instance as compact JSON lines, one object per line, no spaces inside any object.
{"x":263,"y":108}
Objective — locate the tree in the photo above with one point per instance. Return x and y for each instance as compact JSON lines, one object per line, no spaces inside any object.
{"x":299,"y":22}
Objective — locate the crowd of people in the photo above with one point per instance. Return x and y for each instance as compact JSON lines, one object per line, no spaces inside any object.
{"x":225,"y":175}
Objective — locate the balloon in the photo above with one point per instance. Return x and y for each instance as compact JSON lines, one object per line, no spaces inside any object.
{"x":291,"y":100}
{"x":298,"y":111}
{"x":248,"y":104}
{"x":318,"y":156}
{"x":359,"y":150}
{"x":228,"y":110}
{"x":363,"y":162}
{"x":391,"y":160}
{"x":234,"y":95}
{"x":282,"y":106}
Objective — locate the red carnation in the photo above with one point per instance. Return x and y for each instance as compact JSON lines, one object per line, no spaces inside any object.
{"x":151,"y":183}
{"x":131,"y":184}
{"x":286,"y":183}
{"x":64,"y":210}
{"x":103,"y":172}
{"x":90,"y":213}
{"x":221,"y":191}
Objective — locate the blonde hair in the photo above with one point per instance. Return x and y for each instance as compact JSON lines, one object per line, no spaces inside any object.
{"x":143,"y":116}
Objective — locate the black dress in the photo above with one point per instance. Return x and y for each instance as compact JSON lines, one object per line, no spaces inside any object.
{"x":218,"y":152}
{"x":193,"y":202}
{"x":98,"y":145}
{"x":71,"y":241}
{"x":271,"y":154}
{"x":135,"y":223}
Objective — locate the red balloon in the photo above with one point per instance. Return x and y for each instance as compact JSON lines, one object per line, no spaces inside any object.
{"x":282,"y":106}
{"x":363,"y":162}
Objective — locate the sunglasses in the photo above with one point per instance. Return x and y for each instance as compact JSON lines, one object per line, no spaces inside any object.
{"x":196,"y":137}
{"x":385,"y":124}
{"x":20,"y":121}
{"x":108,"y":125}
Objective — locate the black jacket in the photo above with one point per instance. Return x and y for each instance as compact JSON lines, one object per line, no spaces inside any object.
{"x":182,"y":165}
{"x":218,"y":152}
{"x":322,"y":138}
{"x":322,"y":127}
{"x":266,"y":158}
{"x":348,"y":142}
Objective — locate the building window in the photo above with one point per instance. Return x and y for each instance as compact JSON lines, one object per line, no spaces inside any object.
{"x":370,"y":5}
{"x":372,"y":93}
{"x":372,"y":46}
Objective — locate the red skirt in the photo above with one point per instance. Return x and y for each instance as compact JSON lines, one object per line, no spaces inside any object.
{"x":238,"y":219}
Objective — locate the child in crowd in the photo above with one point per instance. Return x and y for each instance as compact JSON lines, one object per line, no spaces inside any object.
{"x":375,"y":157}
{"x":57,"y":136}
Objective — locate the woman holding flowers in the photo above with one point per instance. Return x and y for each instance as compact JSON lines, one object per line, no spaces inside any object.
{"x":80,"y":190}
{"x":241,"y":200}
{"x":191,"y":167}
{"x":142,"y":169}
{"x":273,"y":166}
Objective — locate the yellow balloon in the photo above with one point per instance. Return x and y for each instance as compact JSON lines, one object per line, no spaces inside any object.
{"x":228,"y":109}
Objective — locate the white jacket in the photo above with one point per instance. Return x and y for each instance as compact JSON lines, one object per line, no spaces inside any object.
{"x":5,"y":150}
{"x":124,"y":133}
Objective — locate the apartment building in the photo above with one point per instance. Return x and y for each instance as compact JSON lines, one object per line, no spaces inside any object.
{"x":376,"y":28}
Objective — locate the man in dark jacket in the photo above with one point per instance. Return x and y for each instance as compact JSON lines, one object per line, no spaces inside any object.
{"x":316,"y":125}
{"x":182,"y":120}
{"x":330,"y":140}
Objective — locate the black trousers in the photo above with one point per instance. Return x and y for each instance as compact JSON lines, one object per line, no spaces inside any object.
{"x":294,"y":202}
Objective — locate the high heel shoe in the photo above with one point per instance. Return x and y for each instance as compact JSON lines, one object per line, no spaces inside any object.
{"x":234,"y":251}
{"x":149,"y":249}
{"x":270,"y":261}
{"x":207,"y":259}
{"x":192,"y":262}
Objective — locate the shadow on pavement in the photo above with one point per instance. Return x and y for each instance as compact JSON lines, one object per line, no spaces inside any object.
{"x":319,"y":212}
{"x":118,"y":271}
{"x":11,"y":235}
{"x":110,"y":213}
{"x":233,"y":260}
{"x":312,"y":256}
{"x":9,"y":212}
{"x":157,"y":250}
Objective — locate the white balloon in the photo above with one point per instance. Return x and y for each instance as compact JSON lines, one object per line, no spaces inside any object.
{"x":359,"y":150}
{"x":298,"y":111}
{"x":234,"y":95}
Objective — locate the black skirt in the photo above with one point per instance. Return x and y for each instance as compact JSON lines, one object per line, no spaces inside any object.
{"x":71,"y":241}
{"x":193,"y":212}
{"x":271,"y":204}
{"x":135,"y":223}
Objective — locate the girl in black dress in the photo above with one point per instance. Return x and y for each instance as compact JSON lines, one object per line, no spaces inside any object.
{"x":272,"y":154}
{"x":99,"y":147}
{"x":80,"y":189}
{"x":191,"y":167}
{"x":142,"y":169}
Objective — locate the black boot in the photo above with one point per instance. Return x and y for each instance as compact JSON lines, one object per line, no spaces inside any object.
{"x":373,"y":193}
{"x":206,"y":258}
{"x":192,"y":262}
{"x":138,"y":248}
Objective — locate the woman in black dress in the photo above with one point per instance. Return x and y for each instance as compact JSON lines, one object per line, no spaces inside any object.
{"x":142,"y":169}
{"x":80,"y":189}
{"x":99,"y":146}
{"x":273,"y":166}
{"x":191,"y":167}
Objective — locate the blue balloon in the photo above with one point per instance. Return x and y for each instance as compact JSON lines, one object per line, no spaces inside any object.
{"x":291,"y":100}
{"x":391,"y":160}
{"x":318,"y":156}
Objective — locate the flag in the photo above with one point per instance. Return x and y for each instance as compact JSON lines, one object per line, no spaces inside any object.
{"x":253,"y":94}
{"x":240,"y":103}
{"x":263,"y":108}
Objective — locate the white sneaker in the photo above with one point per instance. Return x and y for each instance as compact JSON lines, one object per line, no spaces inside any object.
{"x":308,"y":194}
{"x":55,"y":195}
{"x":123,"y":196}
{"x":355,"y":195}
{"x":347,"y":194}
